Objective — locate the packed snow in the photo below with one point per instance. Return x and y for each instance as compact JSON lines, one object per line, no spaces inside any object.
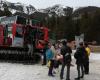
{"x":19,"y":71}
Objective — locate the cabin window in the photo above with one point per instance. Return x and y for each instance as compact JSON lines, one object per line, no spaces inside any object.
{"x":19,"y":32}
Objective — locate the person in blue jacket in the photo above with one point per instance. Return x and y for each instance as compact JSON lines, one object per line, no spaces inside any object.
{"x":50,"y":57}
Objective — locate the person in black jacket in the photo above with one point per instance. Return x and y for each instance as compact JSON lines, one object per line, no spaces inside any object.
{"x":44,"y":53}
{"x":80,"y":56}
{"x":66,"y":52}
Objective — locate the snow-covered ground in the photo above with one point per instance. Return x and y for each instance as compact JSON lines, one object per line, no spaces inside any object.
{"x":95,"y":56}
{"x":18,"y":71}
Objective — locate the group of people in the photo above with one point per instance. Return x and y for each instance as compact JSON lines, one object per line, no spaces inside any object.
{"x":82,"y":60}
{"x":60,"y":53}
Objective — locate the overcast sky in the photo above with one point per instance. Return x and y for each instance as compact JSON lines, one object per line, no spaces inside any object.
{"x":47,"y":3}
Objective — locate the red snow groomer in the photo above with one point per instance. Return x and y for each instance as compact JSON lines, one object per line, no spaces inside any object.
{"x":19,"y":40}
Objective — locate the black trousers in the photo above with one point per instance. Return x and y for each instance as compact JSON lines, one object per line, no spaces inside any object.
{"x":67,"y":73}
{"x":51,"y":67}
{"x":56,"y":64}
{"x":80,"y":69}
{"x":44,"y":57}
{"x":86,"y":67}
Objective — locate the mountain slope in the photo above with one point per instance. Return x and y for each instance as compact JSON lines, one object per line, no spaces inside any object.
{"x":58,"y":10}
{"x":88,"y":9}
